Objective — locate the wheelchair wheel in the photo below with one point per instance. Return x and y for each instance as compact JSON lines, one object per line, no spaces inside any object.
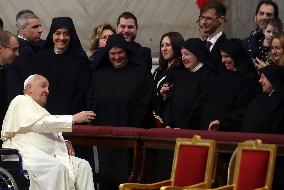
{"x":7,"y":181}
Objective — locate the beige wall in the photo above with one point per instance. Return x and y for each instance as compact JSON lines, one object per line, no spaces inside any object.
{"x":155,"y":17}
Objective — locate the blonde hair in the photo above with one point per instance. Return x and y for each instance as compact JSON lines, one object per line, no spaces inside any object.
{"x":281,"y":39}
{"x":96,"y":35}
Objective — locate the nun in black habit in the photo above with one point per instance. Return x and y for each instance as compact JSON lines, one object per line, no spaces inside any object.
{"x":266,"y":113}
{"x":191,"y":82}
{"x":65,"y":64}
{"x":121,"y":94}
{"x":230,"y":94}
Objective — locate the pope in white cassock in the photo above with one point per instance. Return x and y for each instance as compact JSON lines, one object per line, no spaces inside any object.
{"x":37,"y":135}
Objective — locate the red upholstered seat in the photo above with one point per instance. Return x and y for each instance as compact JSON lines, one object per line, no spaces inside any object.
{"x":190,"y":169}
{"x":253,"y":169}
{"x":192,"y":166}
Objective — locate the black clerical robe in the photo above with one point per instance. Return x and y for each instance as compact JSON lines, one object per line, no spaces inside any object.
{"x":23,"y":66}
{"x":3,"y":106}
{"x":69,"y":78}
{"x":265,"y":114}
{"x":186,"y":99}
{"x":122,"y":96}
{"x":143,"y":54}
{"x":228,"y":99}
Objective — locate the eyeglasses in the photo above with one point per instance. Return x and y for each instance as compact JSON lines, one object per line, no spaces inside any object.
{"x":14,"y":50}
{"x":206,"y":18}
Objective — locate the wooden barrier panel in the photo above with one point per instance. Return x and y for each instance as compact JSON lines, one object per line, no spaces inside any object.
{"x":142,"y":140}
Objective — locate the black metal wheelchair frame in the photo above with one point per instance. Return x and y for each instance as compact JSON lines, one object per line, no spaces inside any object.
{"x":12,"y":175}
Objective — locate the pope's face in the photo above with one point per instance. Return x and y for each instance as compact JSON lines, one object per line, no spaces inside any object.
{"x":38,"y":90}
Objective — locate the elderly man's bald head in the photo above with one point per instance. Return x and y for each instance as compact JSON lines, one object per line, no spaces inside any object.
{"x":36,"y":86}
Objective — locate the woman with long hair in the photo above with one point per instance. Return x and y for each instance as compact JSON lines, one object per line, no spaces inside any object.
{"x":276,"y":54}
{"x":98,"y":39}
{"x":170,"y":55}
{"x":170,"y":46}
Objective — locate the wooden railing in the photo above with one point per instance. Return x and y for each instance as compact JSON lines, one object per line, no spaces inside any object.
{"x":143,"y":140}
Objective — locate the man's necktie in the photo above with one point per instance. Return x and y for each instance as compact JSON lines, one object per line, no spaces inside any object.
{"x":208,"y":44}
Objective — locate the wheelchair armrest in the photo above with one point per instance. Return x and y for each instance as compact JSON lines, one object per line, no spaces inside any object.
{"x":8,"y":151}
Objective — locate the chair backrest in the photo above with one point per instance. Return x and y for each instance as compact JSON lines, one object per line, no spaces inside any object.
{"x":232,"y":164}
{"x":193,"y":161}
{"x":254,"y":165}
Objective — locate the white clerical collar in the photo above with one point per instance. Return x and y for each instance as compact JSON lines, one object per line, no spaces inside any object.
{"x":21,"y":37}
{"x":60,"y":51}
{"x":214,"y":39}
{"x":197,"y":67}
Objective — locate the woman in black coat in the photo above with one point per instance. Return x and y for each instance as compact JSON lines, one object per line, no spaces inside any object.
{"x":170,"y":56}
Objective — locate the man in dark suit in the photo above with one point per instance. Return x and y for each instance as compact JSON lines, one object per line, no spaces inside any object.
{"x":9,"y":46}
{"x":128,"y":26}
{"x":211,"y":18}
{"x":29,"y":32}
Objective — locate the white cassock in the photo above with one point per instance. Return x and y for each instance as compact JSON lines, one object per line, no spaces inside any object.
{"x":37,"y":135}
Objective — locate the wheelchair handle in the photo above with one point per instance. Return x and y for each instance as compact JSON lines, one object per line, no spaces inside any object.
{"x":8,"y":151}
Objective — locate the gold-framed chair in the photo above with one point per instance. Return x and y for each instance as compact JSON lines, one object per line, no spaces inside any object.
{"x":254,"y":167}
{"x":193,"y":166}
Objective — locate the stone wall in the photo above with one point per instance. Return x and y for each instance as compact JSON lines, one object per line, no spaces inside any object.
{"x":155,"y":17}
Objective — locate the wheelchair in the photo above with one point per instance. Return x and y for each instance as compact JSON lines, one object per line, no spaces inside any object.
{"x":12,"y":175}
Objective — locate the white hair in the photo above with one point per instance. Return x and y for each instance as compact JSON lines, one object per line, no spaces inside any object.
{"x":29,"y":80}
{"x":23,"y":19}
